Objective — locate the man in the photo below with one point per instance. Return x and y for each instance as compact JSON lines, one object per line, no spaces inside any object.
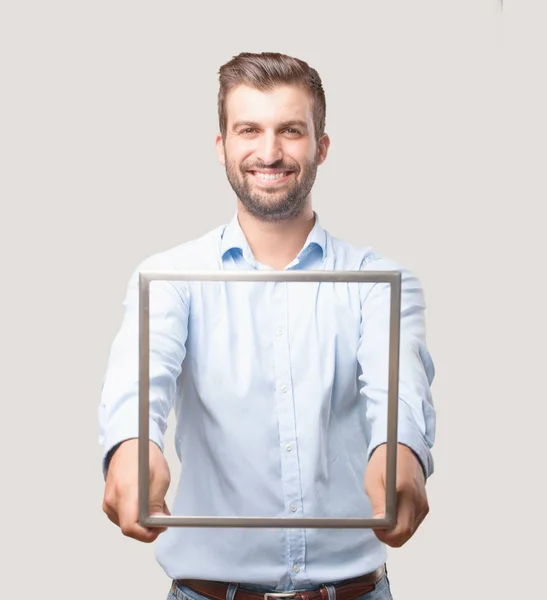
{"x":279,"y":389}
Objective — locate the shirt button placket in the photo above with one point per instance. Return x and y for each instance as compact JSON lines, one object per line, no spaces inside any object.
{"x":287,"y":426}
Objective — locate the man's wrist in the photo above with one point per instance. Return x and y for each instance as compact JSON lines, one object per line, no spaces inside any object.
{"x":413,"y":452}
{"x":110,"y":455}
{"x":417,"y":457}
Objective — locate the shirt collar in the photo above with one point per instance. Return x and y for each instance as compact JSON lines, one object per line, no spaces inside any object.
{"x":234,"y":238}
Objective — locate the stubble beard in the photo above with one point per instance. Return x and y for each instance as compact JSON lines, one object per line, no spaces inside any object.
{"x":276,"y":204}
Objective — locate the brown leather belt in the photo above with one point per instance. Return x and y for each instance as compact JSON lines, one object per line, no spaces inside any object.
{"x":345,"y":590}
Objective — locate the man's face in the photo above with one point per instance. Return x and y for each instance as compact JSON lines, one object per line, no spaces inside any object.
{"x":269,"y":151}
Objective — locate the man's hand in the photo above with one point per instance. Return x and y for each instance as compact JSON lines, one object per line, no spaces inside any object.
{"x":412,"y":505}
{"x":120,"y":501}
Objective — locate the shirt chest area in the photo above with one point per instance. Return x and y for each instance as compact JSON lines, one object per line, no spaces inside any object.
{"x":256,"y":319}
{"x":273,"y":348}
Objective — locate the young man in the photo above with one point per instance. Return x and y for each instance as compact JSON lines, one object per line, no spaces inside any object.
{"x":279,"y":389}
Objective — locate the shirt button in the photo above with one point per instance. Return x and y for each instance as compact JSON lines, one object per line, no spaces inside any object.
{"x":284,"y":388}
{"x":288,"y":447}
{"x":296,"y":568}
{"x":280,"y":331}
{"x":293,"y":507}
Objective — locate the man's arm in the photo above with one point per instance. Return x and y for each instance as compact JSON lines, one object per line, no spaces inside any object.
{"x":118,"y":411}
{"x":416,"y":418}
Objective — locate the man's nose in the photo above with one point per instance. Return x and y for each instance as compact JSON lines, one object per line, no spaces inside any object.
{"x":269,"y":148}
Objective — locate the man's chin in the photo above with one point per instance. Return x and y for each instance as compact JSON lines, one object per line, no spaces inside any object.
{"x":272,"y":211}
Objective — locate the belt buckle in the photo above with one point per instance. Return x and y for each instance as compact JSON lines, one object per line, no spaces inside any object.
{"x":274,"y":595}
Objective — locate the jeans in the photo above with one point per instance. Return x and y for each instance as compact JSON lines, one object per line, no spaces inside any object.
{"x":380,"y":592}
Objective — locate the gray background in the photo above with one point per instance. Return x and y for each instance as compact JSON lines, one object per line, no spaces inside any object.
{"x":436,"y":115}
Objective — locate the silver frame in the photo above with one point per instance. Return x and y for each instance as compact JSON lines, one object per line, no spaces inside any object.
{"x":391,"y":277}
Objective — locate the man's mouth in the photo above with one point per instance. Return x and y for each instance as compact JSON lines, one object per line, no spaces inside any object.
{"x":271,"y":176}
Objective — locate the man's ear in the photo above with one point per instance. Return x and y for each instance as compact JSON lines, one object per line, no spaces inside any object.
{"x":220,"y":150}
{"x":323,"y":148}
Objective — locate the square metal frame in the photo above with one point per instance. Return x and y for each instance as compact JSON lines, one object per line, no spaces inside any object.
{"x":391,"y":277}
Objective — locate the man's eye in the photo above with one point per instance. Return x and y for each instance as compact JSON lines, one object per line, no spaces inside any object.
{"x":292,"y":131}
{"x":249,"y":130}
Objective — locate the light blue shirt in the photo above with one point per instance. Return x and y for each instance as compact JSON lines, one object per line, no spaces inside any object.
{"x":280,"y":396}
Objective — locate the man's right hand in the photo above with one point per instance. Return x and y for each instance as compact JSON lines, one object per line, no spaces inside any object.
{"x":121,"y":493}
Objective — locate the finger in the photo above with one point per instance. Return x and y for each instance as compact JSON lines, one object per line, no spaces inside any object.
{"x":111,"y":514}
{"x":109,"y":509}
{"x":128,"y":516}
{"x":377,"y":497}
{"x":129,"y":523}
{"x":422,"y":515}
{"x":143,"y":534}
{"x":408,"y":521}
{"x":405,"y":523}
{"x":159,"y":513}
{"x":382,"y":534}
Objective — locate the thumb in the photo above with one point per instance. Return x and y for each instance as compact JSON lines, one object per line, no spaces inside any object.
{"x":158,"y":490}
{"x":158,"y":506}
{"x":377,"y":497}
{"x":159,"y":484}
{"x":376,"y":493}
{"x":159,"y":509}
{"x":378,"y":503}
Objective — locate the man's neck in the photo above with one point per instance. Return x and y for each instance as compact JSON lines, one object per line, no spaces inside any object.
{"x":276,"y":244}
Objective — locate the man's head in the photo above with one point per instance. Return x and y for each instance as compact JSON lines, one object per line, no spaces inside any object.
{"x":272,"y":119}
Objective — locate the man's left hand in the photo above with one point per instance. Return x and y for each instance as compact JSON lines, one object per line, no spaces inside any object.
{"x":412,"y":505}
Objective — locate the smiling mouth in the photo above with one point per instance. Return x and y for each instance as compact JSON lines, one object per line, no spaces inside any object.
{"x":273,"y":176}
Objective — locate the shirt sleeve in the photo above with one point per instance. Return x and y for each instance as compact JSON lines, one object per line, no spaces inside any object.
{"x":416,"y":414}
{"x":168,"y":314}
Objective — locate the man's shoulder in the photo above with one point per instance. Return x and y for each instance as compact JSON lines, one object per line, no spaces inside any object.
{"x":351,"y":256}
{"x":199,"y":253}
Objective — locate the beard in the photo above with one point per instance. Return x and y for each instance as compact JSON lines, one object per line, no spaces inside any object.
{"x":278,"y":203}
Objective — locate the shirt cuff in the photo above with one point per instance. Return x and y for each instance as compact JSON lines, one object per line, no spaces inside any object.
{"x":408,"y":434}
{"x":124,"y":432}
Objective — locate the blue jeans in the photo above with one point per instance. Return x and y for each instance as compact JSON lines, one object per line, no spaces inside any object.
{"x":380,"y":592}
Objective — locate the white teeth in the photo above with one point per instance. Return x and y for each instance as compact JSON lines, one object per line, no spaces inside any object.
{"x":267,"y":176}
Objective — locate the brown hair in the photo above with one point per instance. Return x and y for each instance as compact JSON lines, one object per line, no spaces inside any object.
{"x":263,"y":72}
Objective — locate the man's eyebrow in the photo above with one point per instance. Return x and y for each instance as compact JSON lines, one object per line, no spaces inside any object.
{"x":283,"y":125}
{"x":295,"y":122}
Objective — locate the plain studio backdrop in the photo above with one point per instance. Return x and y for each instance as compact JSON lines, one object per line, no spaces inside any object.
{"x":435,"y":110}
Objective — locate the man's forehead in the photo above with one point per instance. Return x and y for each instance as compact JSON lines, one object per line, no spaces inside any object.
{"x":281,"y":102}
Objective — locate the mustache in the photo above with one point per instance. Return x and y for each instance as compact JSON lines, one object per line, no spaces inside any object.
{"x":276,"y":165}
